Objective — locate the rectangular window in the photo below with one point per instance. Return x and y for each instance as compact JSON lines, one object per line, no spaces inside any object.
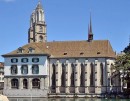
{"x":35,"y":69}
{"x":24,"y":69}
{"x":35,"y":60}
{"x":14,"y":69}
{"x":24,"y":60}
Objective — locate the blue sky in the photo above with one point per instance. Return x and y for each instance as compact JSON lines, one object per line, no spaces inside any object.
{"x":66,"y":20}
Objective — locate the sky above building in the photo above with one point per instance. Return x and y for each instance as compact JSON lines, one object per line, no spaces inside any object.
{"x":66,"y":20}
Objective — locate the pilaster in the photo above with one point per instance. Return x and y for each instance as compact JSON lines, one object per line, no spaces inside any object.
{"x":86,"y":77}
{"x":67,"y":76}
{"x":76,"y":78}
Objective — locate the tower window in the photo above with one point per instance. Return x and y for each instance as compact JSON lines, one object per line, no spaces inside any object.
{"x":40,"y":29}
{"x":40,"y":38}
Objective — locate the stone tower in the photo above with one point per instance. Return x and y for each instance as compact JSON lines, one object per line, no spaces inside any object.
{"x":37,"y":30}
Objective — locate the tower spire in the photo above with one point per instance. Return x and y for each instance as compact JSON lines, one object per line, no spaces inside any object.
{"x":90,"y":33}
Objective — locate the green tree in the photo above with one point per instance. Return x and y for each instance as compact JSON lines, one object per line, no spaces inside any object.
{"x":122,"y":66}
{"x":127,"y":49}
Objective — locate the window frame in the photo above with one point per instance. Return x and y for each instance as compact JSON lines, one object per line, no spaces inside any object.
{"x":35,"y":72}
{"x":33,"y":60}
{"x":23,"y":69}
{"x":22,"y":60}
{"x":12,"y":60}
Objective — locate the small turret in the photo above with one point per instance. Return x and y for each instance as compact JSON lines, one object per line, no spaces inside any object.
{"x":90,"y":33}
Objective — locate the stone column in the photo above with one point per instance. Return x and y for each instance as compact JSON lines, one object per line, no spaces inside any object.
{"x":67,"y":76}
{"x":46,"y":82}
{"x":57,"y":76}
{"x":76,"y":77}
{"x":85,"y":74}
{"x":9,"y":83}
{"x":21,"y":83}
{"x":5,"y":83}
{"x":30,"y":83}
{"x":42,"y":83}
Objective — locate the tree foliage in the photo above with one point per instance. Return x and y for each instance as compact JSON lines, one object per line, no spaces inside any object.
{"x":122,"y":66}
{"x":127,"y":49}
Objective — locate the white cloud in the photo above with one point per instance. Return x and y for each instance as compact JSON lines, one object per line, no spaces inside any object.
{"x":8,"y":0}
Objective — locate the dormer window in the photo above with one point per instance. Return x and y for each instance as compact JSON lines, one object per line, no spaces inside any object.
{"x":20,"y":50}
{"x":81,"y":53}
{"x":31,"y":50}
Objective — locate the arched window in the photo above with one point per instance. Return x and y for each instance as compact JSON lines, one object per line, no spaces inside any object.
{"x":82,"y":76}
{"x":63,"y":75}
{"x":92,"y":75}
{"x":36,"y":83}
{"x":40,"y":16}
{"x":24,"y":69}
{"x":25,"y":83}
{"x":40,"y":38}
{"x":53,"y":75}
{"x":40,"y":29}
{"x":14,"y":69}
{"x":72,"y":75}
{"x":14,"y":83}
{"x":37,"y":16}
{"x":101,"y":71}
{"x":35,"y":69}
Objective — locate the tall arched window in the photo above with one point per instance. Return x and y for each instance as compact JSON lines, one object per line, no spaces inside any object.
{"x":37,"y":16}
{"x":14,"y":83}
{"x":14,"y":69}
{"x":36,"y":83}
{"x":92,"y":75}
{"x":101,"y":71}
{"x":82,"y":78}
{"x":53,"y":75}
{"x":35,"y":69}
{"x":72,"y":75}
{"x":24,"y":69}
{"x":63,"y":75}
{"x":25,"y":83}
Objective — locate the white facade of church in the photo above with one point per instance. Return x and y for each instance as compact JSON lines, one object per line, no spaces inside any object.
{"x":71,"y":68}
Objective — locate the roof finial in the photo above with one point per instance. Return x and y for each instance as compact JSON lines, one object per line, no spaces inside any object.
{"x":39,"y":4}
{"x":90,"y":24}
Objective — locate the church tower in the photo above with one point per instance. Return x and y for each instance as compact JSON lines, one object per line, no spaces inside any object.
{"x":37,"y":30}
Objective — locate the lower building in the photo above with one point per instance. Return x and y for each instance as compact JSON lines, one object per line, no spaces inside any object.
{"x":1,"y":75}
{"x":52,"y":68}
